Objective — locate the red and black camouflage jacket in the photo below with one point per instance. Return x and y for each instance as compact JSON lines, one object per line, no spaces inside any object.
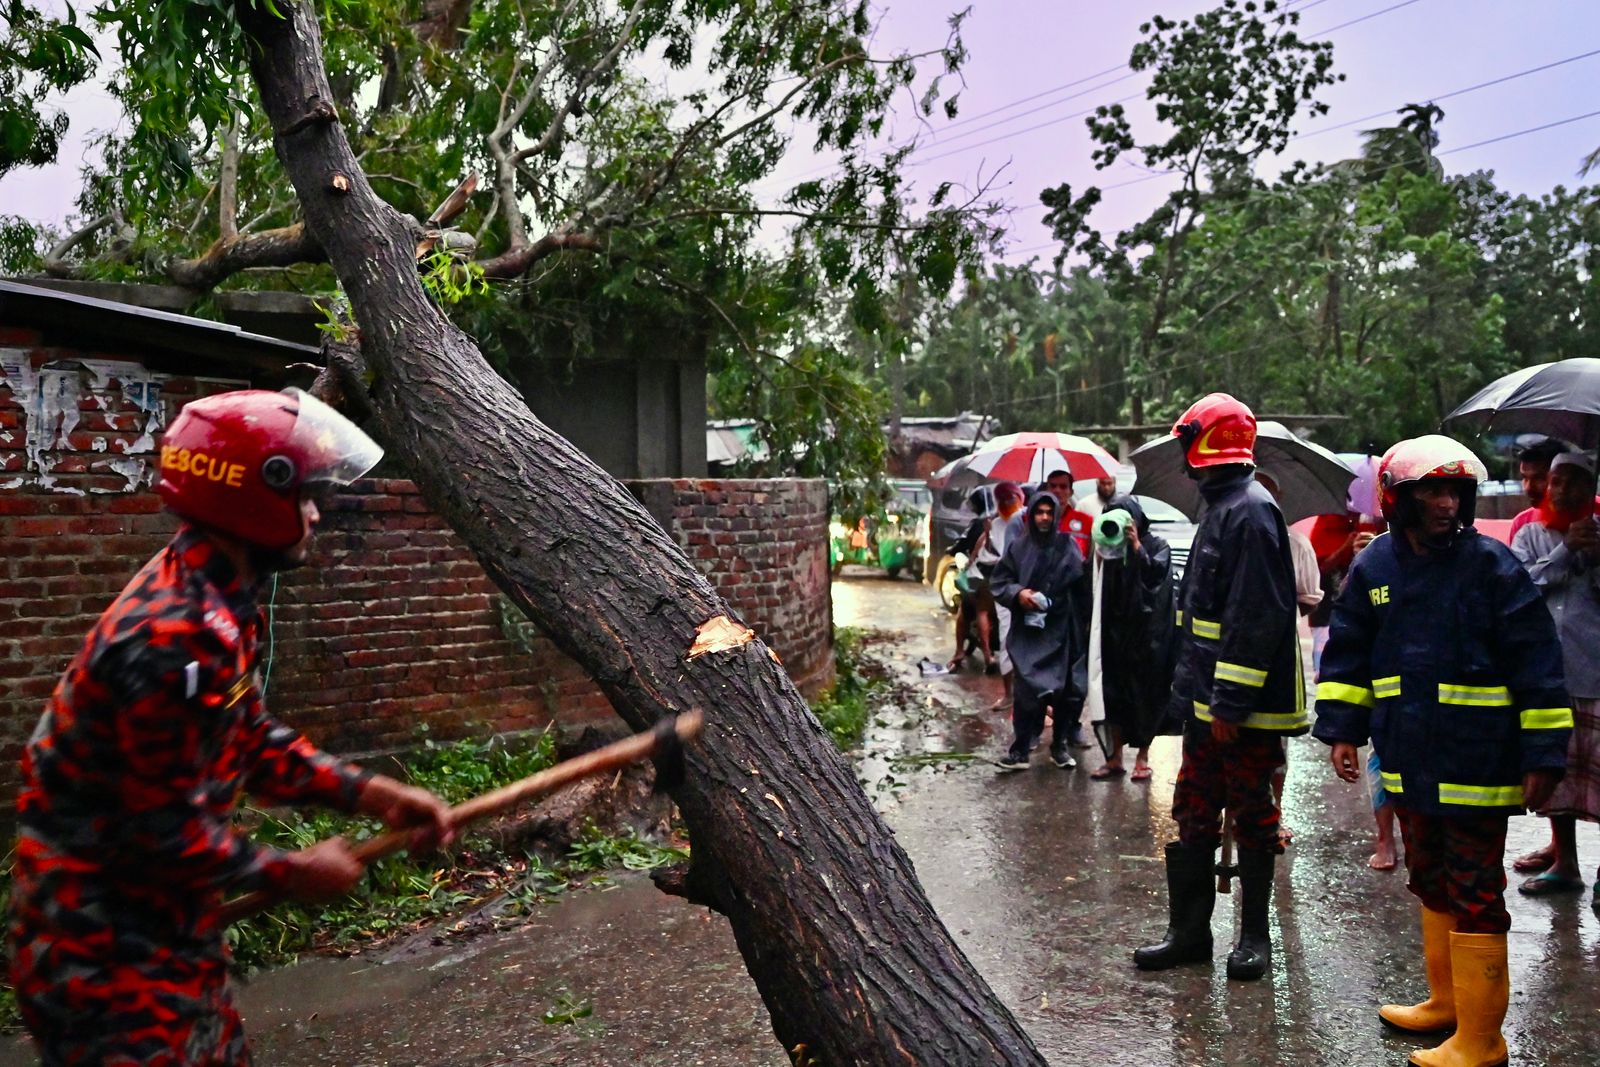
{"x":130,"y":781}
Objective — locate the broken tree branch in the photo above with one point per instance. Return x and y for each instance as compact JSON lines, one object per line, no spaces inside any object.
{"x":55,"y":260}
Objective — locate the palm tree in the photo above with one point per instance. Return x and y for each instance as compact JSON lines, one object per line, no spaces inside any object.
{"x":1407,"y":145}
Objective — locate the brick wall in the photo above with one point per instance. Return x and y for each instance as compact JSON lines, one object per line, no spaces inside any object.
{"x":763,"y":543}
{"x":395,"y":626}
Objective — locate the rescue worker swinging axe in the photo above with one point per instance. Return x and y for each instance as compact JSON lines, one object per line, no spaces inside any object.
{"x":126,"y":841}
{"x":663,"y":744}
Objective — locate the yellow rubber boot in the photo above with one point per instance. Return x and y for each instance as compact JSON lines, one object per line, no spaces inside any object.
{"x":1438,"y":1012}
{"x":1483,"y":992}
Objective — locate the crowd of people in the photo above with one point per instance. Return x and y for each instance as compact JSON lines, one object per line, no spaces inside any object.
{"x":1467,"y":666}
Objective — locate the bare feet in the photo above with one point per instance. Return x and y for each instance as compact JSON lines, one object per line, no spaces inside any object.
{"x":1383,"y":859}
{"x":1285,"y":837}
{"x":1540,"y":859}
{"x":1109,"y":770}
{"x":1141,"y":773}
{"x":1001,"y":704}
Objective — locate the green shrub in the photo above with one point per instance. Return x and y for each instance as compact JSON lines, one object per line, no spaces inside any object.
{"x":846,"y":708}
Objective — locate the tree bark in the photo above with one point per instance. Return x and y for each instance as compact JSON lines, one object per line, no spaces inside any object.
{"x":283,"y":247}
{"x":843,"y":945}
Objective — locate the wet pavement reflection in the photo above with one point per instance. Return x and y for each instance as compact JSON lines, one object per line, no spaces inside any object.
{"x":1046,"y":878}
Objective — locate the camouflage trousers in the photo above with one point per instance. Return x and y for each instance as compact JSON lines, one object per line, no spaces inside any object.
{"x":213,"y":1038}
{"x":1457,"y":865}
{"x":1236,"y":776}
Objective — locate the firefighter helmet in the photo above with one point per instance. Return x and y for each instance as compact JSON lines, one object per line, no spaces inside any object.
{"x":1432,"y":457}
{"x":1216,"y":430}
{"x":237,"y":462}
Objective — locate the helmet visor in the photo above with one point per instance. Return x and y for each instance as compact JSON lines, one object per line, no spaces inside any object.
{"x":333,"y":449}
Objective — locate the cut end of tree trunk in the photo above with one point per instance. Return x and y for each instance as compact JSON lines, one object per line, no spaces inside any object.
{"x":719,"y":634}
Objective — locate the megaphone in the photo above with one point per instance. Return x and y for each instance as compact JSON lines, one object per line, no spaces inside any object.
{"x":1110,"y":533}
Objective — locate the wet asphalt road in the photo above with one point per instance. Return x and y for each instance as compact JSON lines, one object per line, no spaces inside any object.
{"x":1046,"y":878}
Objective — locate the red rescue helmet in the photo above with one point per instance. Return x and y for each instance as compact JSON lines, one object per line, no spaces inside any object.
{"x":237,"y":461}
{"x":1432,"y":457}
{"x":1216,"y":430}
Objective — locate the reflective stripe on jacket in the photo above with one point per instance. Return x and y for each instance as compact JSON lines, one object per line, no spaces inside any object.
{"x":1239,"y":655}
{"x":1451,"y":664}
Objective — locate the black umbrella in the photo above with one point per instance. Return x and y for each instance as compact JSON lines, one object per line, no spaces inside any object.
{"x":1311,"y":480}
{"x":1558,"y":399}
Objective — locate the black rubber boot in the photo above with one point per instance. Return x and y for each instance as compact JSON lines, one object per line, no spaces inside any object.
{"x":1252,"y":956}
{"x":1191,"y":894}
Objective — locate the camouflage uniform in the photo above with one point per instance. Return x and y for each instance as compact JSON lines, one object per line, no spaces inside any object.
{"x":126,"y":838}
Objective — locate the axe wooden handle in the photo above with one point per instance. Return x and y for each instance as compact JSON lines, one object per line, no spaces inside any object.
{"x":601,"y":761}
{"x":1225,"y":868}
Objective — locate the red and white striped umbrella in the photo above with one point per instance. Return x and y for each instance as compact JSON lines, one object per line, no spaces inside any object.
{"x":1033,"y":457}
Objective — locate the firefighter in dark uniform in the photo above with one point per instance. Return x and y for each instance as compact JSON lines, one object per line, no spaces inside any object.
{"x":126,"y":844}
{"x":1443,"y":654}
{"x":1238,"y":687}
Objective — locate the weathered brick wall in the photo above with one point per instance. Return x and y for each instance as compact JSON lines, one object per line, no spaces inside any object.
{"x":763,"y":543}
{"x":395,"y":626}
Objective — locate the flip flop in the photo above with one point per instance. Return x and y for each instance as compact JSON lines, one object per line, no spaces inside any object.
{"x":1140,"y":774}
{"x":1107,"y":772}
{"x":1533,"y":862}
{"x":1547,"y":884}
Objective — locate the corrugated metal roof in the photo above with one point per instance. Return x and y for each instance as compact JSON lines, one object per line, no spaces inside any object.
{"x":68,"y":318}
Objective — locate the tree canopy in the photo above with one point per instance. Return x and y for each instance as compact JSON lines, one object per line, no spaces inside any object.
{"x":581,"y":175}
{"x":1381,"y":288}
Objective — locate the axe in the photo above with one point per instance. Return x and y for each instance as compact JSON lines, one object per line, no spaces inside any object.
{"x":663,"y":743}
{"x":1227,"y":870}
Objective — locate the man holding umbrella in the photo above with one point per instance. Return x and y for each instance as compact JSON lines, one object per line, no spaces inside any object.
{"x":1238,"y":684}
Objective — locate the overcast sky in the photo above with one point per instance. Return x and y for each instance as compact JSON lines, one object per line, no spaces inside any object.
{"x":1419,"y":50}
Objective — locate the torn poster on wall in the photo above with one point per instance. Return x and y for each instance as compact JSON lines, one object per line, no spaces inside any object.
{"x":95,"y":417}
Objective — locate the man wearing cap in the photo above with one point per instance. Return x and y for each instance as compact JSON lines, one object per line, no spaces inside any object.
{"x":126,"y":840}
{"x":1239,"y":687}
{"x":1561,"y":551}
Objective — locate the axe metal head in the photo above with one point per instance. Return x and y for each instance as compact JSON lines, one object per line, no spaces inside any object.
{"x":668,"y":757}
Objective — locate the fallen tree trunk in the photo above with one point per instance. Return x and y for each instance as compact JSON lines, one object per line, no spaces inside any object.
{"x":846,"y":951}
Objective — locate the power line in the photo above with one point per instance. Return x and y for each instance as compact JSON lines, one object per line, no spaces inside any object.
{"x":1380,"y":114}
{"x":936,"y":143}
{"x":1079,"y":81}
{"x":1030,"y":99}
{"x":1027,"y":129}
{"x":1519,"y":133}
{"x":1363,"y":18}
{"x":1447,"y":152}
{"x":1121,"y":100}
{"x":1454,"y":93}
{"x":940,"y":143}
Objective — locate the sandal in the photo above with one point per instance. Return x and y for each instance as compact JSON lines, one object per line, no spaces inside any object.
{"x":1549,"y":884}
{"x":1107,"y":772}
{"x":1538,"y":860}
{"x":1140,"y":774}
